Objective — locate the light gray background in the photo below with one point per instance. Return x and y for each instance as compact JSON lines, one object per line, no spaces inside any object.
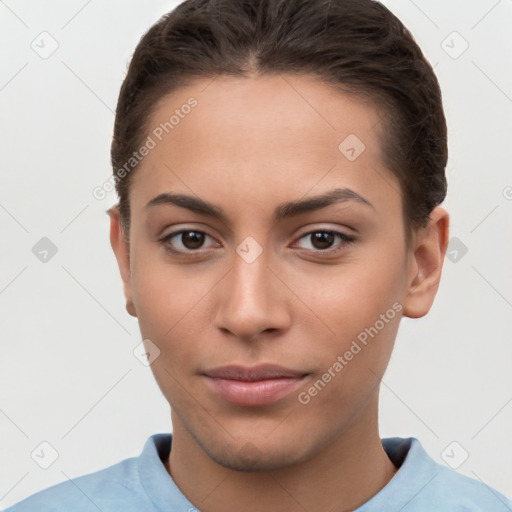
{"x":68,"y":373}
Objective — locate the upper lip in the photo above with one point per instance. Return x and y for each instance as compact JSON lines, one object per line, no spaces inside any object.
{"x":254,"y":373}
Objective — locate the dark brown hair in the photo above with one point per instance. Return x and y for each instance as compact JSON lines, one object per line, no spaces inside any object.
{"x":358,"y":46}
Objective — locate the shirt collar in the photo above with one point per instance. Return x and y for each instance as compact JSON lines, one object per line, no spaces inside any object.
{"x":416,"y":471}
{"x":157,"y":483}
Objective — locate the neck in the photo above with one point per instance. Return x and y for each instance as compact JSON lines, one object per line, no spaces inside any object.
{"x":343,"y":476}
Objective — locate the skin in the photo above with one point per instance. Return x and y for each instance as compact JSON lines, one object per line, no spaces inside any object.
{"x":250,"y":145}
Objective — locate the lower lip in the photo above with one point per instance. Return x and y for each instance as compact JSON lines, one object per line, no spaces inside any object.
{"x":253,"y":393}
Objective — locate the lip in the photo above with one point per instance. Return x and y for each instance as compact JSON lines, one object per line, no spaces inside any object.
{"x":253,"y":386}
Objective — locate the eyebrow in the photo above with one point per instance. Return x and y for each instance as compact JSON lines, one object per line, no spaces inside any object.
{"x":283,"y":211}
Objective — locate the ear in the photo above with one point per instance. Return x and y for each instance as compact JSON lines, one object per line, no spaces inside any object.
{"x":121,"y":249}
{"x":427,"y":258}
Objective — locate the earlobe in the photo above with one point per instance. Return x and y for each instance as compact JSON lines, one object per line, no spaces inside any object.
{"x":130,"y":308}
{"x":428,"y":257}
{"x":121,"y":249}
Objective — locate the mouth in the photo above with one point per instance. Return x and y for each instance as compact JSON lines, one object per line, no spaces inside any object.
{"x":253,"y":386}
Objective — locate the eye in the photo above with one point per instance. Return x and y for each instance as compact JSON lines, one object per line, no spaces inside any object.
{"x":185,"y":240}
{"x":323,"y":241}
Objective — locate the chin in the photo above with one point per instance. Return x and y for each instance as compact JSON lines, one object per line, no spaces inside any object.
{"x":250,"y":459}
{"x":255,"y":454}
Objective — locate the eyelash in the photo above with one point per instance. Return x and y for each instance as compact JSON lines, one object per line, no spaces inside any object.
{"x":347,"y":240}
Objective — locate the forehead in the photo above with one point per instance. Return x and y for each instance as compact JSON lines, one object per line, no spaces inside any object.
{"x":261,"y":140}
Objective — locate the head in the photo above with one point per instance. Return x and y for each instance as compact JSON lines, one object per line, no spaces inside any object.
{"x":279,"y":166}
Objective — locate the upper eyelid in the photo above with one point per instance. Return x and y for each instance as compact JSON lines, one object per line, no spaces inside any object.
{"x":345,"y":237}
{"x":172,"y":234}
{"x":307,"y":230}
{"x":175,"y":232}
{"x":343,"y":231}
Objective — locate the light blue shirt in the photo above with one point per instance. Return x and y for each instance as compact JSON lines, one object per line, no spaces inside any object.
{"x":142,"y":484}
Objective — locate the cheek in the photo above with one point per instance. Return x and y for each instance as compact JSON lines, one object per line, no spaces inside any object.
{"x":361,"y":307}
{"x":169,"y":300}
{"x":352,"y":297}
{"x":353,"y":361}
{"x":170,"y":314}
{"x":162,"y":292}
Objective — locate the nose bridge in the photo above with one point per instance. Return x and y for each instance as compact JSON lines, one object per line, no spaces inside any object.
{"x":249,"y":302}
{"x":251,"y":276}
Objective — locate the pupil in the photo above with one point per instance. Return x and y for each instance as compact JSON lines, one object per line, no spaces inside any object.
{"x":192,"y":239}
{"x":322,"y":240}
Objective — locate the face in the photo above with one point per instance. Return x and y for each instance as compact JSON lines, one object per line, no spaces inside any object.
{"x":274,"y":290}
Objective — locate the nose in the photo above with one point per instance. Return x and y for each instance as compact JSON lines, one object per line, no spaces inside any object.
{"x":252,"y":301}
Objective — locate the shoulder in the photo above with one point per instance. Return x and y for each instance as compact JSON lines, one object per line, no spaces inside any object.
{"x":425,"y":484}
{"x":465,"y":493}
{"x":116,"y":487}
